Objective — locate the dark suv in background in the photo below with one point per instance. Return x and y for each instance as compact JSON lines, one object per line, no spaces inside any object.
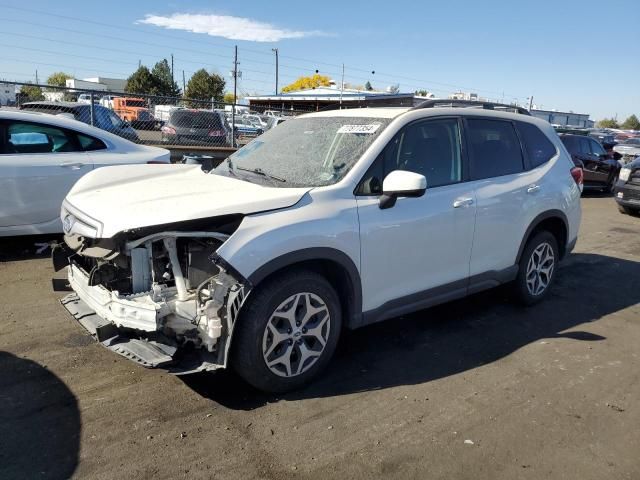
{"x":600,"y":169}
{"x":196,"y":127}
{"x":103,"y":117}
{"x":627,"y":190}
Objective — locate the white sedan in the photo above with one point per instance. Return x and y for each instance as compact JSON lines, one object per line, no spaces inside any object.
{"x":42,"y":156}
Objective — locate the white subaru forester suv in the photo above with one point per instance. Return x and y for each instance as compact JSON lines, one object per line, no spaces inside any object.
{"x":332,"y":220}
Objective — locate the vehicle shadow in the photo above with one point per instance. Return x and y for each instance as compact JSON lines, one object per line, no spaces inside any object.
{"x":455,"y":337}
{"x":596,"y":193}
{"x":26,"y":247}
{"x":39,"y":422}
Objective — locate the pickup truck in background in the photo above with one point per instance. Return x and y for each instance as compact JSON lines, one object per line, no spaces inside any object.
{"x":134,"y":111}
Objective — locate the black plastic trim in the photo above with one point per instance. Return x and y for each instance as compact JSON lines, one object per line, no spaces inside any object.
{"x":415,"y":301}
{"x":537,"y":221}
{"x":60,"y":255}
{"x":491,"y":279}
{"x":444,"y":103}
{"x":318,"y":253}
{"x":437,"y":295}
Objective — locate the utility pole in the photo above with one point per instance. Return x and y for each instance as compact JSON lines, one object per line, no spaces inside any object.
{"x":276,"y":52}
{"x":172,"y":79}
{"x":530,"y":102}
{"x":235,"y":90}
{"x":37,"y":82}
{"x":139,"y":63}
{"x":184,"y":88}
{"x":341,"y":86}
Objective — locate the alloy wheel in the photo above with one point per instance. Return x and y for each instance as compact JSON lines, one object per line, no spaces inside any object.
{"x":296,"y":334}
{"x":540,"y":269}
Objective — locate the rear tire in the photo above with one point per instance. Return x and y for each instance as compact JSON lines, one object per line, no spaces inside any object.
{"x":537,"y":268}
{"x":287,"y":332}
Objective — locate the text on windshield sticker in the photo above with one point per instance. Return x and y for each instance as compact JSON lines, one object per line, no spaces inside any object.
{"x":371,"y":128}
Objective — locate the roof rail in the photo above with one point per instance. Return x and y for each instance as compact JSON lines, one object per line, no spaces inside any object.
{"x":472,"y":104}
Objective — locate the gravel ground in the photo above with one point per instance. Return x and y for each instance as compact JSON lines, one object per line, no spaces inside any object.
{"x":478,"y":388}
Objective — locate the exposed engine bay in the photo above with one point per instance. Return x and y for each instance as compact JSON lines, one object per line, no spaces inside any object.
{"x":154,"y":294}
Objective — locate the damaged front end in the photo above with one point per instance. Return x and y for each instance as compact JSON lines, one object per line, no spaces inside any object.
{"x":162,"y":299}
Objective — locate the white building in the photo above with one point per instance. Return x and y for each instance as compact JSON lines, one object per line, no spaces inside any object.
{"x":74,"y":83}
{"x":469,"y":96}
{"x":55,"y":96}
{"x":564,"y":119}
{"x":101,"y":84}
{"x":7,"y":93}
{"x":111,"y":84}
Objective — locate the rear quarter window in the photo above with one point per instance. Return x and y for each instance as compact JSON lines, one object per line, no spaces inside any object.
{"x":538,"y":147}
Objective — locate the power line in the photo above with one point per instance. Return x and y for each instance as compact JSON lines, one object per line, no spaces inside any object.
{"x":421,"y":83}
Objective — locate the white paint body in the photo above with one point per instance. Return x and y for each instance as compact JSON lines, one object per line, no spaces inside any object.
{"x":33,"y":186}
{"x":447,"y":235}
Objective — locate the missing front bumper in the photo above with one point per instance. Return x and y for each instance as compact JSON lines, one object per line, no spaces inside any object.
{"x":146,"y":352}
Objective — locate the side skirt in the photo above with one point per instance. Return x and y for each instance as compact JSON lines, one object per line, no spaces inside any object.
{"x":438,"y":295}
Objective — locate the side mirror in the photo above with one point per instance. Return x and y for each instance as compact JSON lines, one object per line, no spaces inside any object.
{"x":401,"y":183}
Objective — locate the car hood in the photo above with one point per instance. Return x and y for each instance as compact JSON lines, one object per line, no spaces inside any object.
{"x":116,"y":199}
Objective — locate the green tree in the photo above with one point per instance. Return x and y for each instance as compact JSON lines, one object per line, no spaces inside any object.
{"x":304,"y":83}
{"x":205,"y":86}
{"x":229,"y":98}
{"x":141,"y":81}
{"x":631,"y":123}
{"x":164,"y":84}
{"x":31,"y":93}
{"x":58,"y":79}
{"x":608,"y":123}
{"x":367,"y":86}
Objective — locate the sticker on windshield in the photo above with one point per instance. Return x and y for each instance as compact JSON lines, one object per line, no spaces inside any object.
{"x":371,"y":128}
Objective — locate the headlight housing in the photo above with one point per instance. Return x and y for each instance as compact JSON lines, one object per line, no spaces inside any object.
{"x":624,"y":174}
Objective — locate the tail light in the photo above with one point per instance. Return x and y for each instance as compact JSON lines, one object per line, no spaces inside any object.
{"x":578,"y":176}
{"x":216,"y":133}
{"x":168,"y":130}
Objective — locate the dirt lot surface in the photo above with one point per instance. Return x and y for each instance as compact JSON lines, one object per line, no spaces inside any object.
{"x":479,"y":388}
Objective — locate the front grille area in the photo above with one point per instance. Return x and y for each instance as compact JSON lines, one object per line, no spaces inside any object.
{"x":630,"y":194}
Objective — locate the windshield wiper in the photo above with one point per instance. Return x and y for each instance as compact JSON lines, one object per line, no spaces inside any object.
{"x":259,"y":171}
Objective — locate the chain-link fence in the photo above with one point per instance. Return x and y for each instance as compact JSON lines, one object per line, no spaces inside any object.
{"x":152,"y":119}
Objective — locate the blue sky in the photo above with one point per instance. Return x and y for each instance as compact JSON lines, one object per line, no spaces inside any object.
{"x":570,"y":55}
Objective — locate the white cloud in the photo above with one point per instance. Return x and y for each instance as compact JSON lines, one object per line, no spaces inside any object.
{"x":226,"y":26}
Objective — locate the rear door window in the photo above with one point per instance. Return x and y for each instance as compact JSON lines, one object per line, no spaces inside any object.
{"x":585,"y":147}
{"x":596,"y":148}
{"x":571,"y":145}
{"x":494,"y":148}
{"x":538,"y":147}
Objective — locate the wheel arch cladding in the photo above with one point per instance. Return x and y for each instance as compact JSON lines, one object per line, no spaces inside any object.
{"x":553,"y":221}
{"x":336,"y":266}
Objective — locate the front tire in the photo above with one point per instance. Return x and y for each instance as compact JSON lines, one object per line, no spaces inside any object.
{"x":536,"y":269}
{"x":287,"y":332}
